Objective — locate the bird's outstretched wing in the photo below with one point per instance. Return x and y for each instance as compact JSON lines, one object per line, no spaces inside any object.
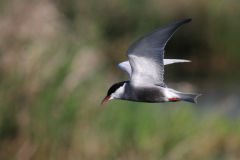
{"x":146,"y":55}
{"x":127,"y":67}
{"x":171,"y":61}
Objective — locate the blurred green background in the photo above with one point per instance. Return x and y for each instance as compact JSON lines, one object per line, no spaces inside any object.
{"x":58,"y":59}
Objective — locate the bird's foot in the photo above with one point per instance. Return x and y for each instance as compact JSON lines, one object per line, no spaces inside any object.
{"x":174,"y":99}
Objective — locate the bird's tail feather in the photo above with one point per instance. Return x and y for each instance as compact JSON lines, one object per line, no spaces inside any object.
{"x":188,"y":97}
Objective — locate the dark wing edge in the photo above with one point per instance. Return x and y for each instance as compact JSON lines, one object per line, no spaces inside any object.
{"x":160,"y":37}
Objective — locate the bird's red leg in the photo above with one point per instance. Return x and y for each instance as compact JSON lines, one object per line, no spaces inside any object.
{"x":174,"y":99}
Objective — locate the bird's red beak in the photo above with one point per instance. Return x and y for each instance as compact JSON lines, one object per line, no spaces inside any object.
{"x":105,"y":99}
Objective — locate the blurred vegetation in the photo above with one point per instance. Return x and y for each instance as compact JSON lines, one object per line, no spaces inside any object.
{"x":58,"y":59}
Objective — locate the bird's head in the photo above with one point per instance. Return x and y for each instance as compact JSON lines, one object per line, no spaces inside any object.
{"x":115,"y":91}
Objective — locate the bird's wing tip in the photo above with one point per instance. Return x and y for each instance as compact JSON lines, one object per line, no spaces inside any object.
{"x":187,"y":20}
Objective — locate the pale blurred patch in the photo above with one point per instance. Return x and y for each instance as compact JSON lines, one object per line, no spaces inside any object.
{"x":84,"y":65}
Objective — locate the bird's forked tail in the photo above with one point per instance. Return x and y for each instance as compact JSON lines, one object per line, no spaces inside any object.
{"x":188,"y":97}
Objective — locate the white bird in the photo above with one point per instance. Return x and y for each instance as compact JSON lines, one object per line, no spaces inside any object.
{"x":145,"y":69}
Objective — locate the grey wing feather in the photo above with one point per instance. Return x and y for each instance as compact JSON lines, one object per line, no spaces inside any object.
{"x":171,"y":61}
{"x":125,"y":66}
{"x":146,"y":55}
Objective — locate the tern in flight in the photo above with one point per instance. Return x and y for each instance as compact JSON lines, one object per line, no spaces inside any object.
{"x":145,"y":69}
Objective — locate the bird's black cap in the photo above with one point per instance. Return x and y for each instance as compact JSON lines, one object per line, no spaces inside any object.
{"x":115,"y":87}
